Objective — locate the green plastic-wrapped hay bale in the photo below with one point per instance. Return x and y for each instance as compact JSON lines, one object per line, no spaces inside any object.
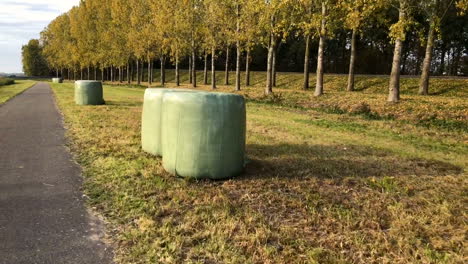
{"x":151,"y":119}
{"x":57,"y":80}
{"x":88,"y":93}
{"x":203,"y":135}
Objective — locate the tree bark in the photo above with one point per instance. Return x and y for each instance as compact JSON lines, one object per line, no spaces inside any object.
{"x":247,"y":68}
{"x":190,"y":69}
{"x":426,"y":68}
{"x":319,"y":84}
{"x":128,"y":73}
{"x":394,"y":86}
{"x":226,"y":70}
{"x":149,"y":72}
{"x":238,"y":50}
{"x":271,"y":50}
{"x":305,"y":85}
{"x":442,"y":60}
{"x":102,"y":74}
{"x":205,"y":69}
{"x":194,"y":70}
{"x":81,"y":74}
{"x":274,"y":66}
{"x":151,"y":77}
{"x":142,"y":71}
{"x":138,"y":72}
{"x":177,"y":73}
{"x":213,"y":69}
{"x":163,"y":70}
{"x":352,"y":62}
{"x":89,"y":75}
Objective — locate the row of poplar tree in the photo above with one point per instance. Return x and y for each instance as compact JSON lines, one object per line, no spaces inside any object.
{"x":120,"y":35}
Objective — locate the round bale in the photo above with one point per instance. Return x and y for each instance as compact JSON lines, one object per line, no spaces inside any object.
{"x":88,"y":93}
{"x":151,"y":119}
{"x":203,"y":135}
{"x":57,"y":80}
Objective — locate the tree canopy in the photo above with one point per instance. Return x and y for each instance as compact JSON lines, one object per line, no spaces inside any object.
{"x":351,"y":36}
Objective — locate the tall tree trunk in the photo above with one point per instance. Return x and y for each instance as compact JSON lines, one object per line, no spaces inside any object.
{"x":226,"y":69}
{"x":177,"y":73}
{"x":95,"y":73}
{"x":149,"y":71}
{"x":112,"y":73}
{"x":456,"y":60}
{"x":213,"y":69}
{"x":274,"y":66}
{"x":128,"y":73}
{"x":442,"y":60}
{"x":163,"y":70}
{"x":238,"y":52}
{"x":205,"y":69}
{"x":319,"y":84}
{"x":102,"y":74}
{"x":352,"y":62}
{"x":394,"y":86}
{"x":247,"y":68}
{"x":305,"y":85}
{"x":138,"y":71}
{"x":190,"y":69}
{"x":194,"y":70}
{"x":271,"y":50}
{"x":142,"y":71}
{"x":426,"y":68}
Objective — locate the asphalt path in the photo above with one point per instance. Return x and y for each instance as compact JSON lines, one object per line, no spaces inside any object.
{"x":42,"y":214}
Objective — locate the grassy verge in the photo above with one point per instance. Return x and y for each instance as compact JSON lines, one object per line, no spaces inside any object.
{"x":322,"y":187}
{"x":9,"y":91}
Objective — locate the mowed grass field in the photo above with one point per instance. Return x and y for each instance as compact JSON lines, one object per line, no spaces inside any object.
{"x":9,"y":91}
{"x":345,"y":178}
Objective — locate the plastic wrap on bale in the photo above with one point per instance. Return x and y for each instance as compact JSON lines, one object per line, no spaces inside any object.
{"x":89,"y":93}
{"x":203,"y":135}
{"x":57,"y":80}
{"x":151,"y":119}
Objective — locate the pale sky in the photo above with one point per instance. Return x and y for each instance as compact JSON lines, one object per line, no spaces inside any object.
{"x":21,"y":21}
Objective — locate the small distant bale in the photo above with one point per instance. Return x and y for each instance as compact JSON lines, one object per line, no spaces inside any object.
{"x":89,"y":93}
{"x":57,"y":80}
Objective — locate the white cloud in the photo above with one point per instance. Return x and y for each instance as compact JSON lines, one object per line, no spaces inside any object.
{"x":21,"y":21}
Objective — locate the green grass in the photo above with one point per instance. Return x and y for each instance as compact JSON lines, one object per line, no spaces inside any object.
{"x":9,"y":91}
{"x":322,"y":186}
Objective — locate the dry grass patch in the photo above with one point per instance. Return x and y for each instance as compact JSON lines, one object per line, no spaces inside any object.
{"x":320,"y":188}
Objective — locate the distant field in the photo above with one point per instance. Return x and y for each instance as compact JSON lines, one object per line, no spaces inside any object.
{"x":9,"y":91}
{"x":345,"y":178}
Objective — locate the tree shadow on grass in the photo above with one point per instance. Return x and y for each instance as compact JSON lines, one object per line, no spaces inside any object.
{"x":337,"y":161}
